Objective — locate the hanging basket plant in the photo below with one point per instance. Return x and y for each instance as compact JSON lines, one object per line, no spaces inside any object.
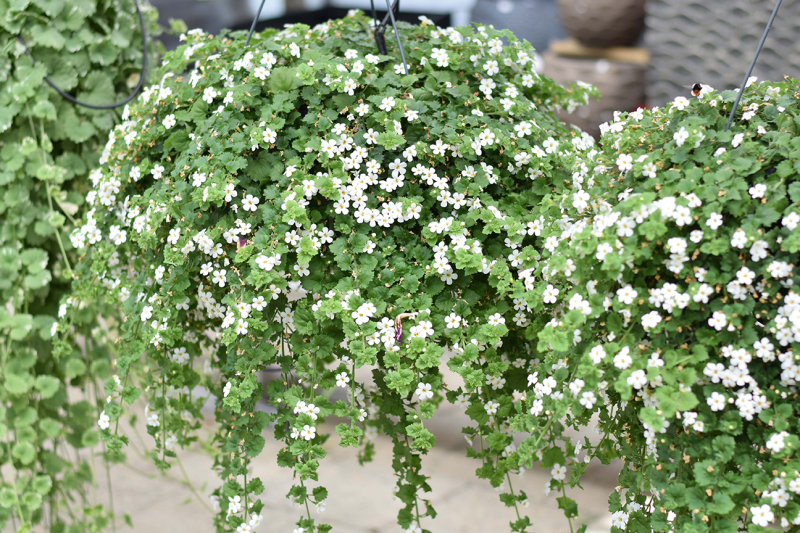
{"x":676,"y":316}
{"x":307,"y":203}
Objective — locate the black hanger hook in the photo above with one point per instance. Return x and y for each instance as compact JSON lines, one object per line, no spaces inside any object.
{"x":380,"y":29}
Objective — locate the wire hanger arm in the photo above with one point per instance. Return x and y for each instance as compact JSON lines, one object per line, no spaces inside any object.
{"x":752,"y":64}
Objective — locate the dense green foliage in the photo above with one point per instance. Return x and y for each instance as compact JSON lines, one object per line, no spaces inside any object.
{"x":305,"y":203}
{"x":93,"y":49}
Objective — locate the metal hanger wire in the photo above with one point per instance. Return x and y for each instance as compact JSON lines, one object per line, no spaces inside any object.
{"x":380,"y":30}
{"x":253,"y":25}
{"x":752,"y":64}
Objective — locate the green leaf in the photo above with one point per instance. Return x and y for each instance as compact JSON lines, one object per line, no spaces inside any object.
{"x":38,"y":280}
{"x":24,"y":452}
{"x":8,"y":497}
{"x":282,"y":79}
{"x":568,"y":505}
{"x":49,"y":37}
{"x":42,"y":484}
{"x":44,"y":109}
{"x":423,"y":439}
{"x":17,"y":384}
{"x":253,"y":445}
{"x":723,"y":447}
{"x":721,"y":503}
{"x":47,"y":386}
{"x":74,"y":367}
{"x":32,"y":500}
{"x":130,"y":393}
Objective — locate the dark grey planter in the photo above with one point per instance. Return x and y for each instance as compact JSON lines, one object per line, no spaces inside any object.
{"x":603,"y":23}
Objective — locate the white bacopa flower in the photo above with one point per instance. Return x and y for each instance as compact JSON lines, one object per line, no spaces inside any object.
{"x":440,"y":55}
{"x":496,"y":319}
{"x":603,"y":250}
{"x":580,"y":200}
{"x":680,"y":103}
{"x":619,"y":519}
{"x":762,"y":516}
{"x":681,"y":135}
{"x":387,"y":104}
{"x":209,"y":94}
{"x":550,"y":295}
{"x":250,"y":203}
{"x":452,"y":321}
{"x":739,"y":239}
{"x":220,"y":277}
{"x":424,"y":391}
{"x":651,"y":320}
{"x":716,"y":401}
{"x":791,"y":220}
{"x":180,"y":355}
{"x":637,"y":379}
{"x":718,"y":320}
{"x":413,"y":528}
{"x":623,"y":359}
{"x":776,"y":442}
{"x":625,"y":162}
{"x":597,"y":354}
{"x":308,"y":432}
{"x":342,"y":379}
{"x":714,"y":221}
{"x":486,"y":86}
{"x":758,"y":190}
{"x":558,"y":472}
{"x":537,"y":407}
{"x":588,"y":399}
{"x":649,"y":170}
{"x":759,"y":250}
{"x":627,"y":294}
{"x":104,"y":421}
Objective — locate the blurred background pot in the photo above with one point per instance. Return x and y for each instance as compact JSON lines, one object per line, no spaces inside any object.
{"x":603,"y":23}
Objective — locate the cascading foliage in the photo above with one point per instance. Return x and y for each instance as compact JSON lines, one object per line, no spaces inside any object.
{"x":92,"y":49}
{"x":672,"y":286}
{"x":305,"y":203}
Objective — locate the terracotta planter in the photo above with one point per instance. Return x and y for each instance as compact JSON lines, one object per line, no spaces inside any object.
{"x":603,"y":23}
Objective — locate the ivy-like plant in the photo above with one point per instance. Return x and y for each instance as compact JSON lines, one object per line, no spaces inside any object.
{"x":675,"y":313}
{"x":47,"y":147}
{"x":309,"y":204}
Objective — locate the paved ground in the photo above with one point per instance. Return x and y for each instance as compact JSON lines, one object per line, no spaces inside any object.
{"x":360,"y":499}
